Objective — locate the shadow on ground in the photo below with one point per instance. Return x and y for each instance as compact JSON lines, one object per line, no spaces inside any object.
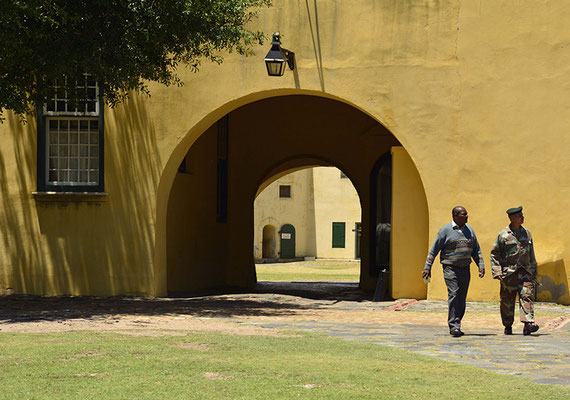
{"x":266,"y":300}
{"x":340,"y":291}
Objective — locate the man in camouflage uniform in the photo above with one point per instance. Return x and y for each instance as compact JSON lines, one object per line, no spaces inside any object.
{"x":514,"y":264}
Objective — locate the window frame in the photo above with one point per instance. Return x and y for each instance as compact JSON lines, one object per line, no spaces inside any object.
{"x":289,"y":194}
{"x":43,"y":184}
{"x":75,"y":113}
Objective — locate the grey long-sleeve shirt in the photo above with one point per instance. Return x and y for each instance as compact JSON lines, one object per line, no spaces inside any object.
{"x":456,"y":247}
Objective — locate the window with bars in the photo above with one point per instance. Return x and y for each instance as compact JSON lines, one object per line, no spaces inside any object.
{"x":82,"y":102}
{"x":73,"y":151}
{"x":70,"y":140}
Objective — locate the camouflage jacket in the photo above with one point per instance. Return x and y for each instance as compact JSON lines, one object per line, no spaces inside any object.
{"x":510,"y":253}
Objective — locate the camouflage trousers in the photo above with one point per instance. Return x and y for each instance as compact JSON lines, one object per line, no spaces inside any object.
{"x":519,"y":283}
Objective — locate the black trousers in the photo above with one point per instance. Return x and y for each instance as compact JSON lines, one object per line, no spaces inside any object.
{"x":457,"y":282}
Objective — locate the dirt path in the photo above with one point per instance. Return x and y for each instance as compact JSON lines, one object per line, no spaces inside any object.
{"x":234,"y":313}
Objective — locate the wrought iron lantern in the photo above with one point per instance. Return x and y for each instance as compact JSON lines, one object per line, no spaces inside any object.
{"x":277,"y":57}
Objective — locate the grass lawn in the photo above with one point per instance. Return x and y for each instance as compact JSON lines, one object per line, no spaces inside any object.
{"x":93,"y":365}
{"x":316,"y":271}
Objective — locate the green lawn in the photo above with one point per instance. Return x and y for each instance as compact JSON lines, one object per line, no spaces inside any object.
{"x":92,"y":365}
{"x":316,"y":271}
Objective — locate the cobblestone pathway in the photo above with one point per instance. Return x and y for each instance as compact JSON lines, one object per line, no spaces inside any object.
{"x":544,"y":357}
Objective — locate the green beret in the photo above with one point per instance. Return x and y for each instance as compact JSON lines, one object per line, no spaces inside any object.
{"x":514,"y":210}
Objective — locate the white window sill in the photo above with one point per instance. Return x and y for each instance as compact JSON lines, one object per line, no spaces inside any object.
{"x":89,"y":197}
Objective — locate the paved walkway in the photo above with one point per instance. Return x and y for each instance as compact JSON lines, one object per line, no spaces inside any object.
{"x":544,"y":356}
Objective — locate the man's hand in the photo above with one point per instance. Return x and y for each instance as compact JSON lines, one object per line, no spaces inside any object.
{"x":481,"y":273}
{"x":426,"y":273}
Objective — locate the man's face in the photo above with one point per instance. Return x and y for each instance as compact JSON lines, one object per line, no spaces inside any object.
{"x":517,"y":218}
{"x":460,"y":218}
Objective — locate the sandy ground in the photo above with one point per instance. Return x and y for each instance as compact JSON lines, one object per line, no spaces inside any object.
{"x":233,"y":314}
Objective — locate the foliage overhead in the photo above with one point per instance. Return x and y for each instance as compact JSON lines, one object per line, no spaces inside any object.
{"x":121,"y":43}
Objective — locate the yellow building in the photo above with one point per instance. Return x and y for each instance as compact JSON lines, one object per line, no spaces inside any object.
{"x":314,"y":212}
{"x":470,"y":99}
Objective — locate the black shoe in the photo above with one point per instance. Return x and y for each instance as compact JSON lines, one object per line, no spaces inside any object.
{"x":456,"y":332}
{"x":508,"y":330}
{"x":529,"y":327}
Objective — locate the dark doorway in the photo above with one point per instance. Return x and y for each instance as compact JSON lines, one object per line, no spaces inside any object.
{"x":357,"y":235}
{"x":381,"y":221}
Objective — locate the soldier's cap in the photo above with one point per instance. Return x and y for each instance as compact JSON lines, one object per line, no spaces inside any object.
{"x":514,"y":210}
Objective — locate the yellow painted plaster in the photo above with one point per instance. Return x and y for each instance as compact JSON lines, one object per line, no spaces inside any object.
{"x":409,"y":231}
{"x":336,"y":200}
{"x":476,"y":93}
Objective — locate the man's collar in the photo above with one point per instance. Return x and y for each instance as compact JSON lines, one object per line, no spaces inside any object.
{"x":454,"y":225}
{"x":509,"y":229}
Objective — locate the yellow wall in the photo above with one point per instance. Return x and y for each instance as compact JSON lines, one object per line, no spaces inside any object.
{"x":475,"y":91}
{"x":554,"y":278}
{"x":408,"y":239}
{"x":196,"y":243}
{"x":77,"y":244}
{"x":336,"y":200}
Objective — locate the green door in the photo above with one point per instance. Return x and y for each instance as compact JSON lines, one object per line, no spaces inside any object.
{"x":287,"y":235}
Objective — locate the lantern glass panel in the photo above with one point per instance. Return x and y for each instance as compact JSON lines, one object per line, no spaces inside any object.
{"x":275,"y":67}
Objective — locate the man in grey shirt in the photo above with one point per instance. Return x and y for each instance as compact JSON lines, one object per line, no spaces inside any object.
{"x":457,"y":244}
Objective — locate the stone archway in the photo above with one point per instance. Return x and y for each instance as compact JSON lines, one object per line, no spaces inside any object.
{"x":203,"y":251}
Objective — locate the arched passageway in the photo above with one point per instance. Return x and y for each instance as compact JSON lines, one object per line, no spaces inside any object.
{"x":318,"y":210}
{"x":322,"y":205}
{"x":210,"y":209}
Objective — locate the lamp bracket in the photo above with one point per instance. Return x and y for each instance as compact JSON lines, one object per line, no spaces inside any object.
{"x":290,"y":58}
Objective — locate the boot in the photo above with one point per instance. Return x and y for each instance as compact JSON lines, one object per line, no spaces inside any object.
{"x":529,"y":327}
